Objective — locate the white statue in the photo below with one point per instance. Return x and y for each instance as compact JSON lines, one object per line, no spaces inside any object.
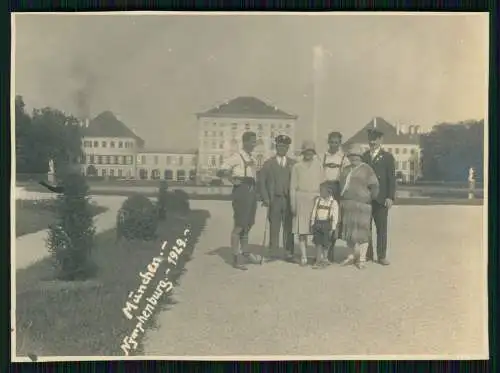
{"x":471,"y":174}
{"x":51,"y":166}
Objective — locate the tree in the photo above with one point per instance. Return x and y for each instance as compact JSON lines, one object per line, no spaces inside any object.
{"x":71,"y":239}
{"x":449,"y":150}
{"x":47,"y":133}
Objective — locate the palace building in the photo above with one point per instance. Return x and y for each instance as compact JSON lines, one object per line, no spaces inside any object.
{"x":402,"y":142}
{"x":220,"y":130}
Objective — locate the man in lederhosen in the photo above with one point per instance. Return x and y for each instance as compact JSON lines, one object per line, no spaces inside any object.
{"x":274,"y":187}
{"x":240,"y":170}
{"x":333,"y":161}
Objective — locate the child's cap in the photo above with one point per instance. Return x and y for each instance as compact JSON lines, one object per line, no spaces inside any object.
{"x":327,"y":186}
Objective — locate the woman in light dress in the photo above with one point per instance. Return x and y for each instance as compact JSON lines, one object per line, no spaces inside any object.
{"x":307,"y":175}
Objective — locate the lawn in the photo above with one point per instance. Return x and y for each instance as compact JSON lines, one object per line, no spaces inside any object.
{"x":86,"y":319}
{"x":36,"y":215}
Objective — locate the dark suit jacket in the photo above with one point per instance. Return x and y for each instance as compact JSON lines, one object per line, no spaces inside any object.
{"x":267,"y":177}
{"x":384,"y":166}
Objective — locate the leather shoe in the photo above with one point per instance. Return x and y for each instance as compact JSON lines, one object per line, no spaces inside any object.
{"x":383,"y":262}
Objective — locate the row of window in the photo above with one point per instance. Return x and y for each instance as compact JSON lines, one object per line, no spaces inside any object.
{"x":213,"y":161}
{"x":180,"y":175}
{"x":112,"y":144}
{"x":403,"y":150}
{"x":233,"y":144}
{"x":142,"y":159}
{"x":112,"y":172}
{"x":109,"y":159}
{"x":248,"y":126}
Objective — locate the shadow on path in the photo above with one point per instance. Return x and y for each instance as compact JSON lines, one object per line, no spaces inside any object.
{"x":226,"y":252}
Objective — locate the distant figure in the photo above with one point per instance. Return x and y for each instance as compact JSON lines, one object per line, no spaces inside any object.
{"x":307,"y":175}
{"x":383,"y":164}
{"x":324,"y":220}
{"x":240,"y":170}
{"x":359,"y":188}
{"x":472,"y":182}
{"x":274,"y":187}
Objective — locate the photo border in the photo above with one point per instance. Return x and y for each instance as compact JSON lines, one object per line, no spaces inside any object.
{"x":493,"y":181}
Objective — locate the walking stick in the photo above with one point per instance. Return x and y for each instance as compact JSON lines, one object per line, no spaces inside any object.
{"x":264,"y":241}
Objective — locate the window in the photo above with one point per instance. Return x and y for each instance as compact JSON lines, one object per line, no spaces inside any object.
{"x":288,"y":126}
{"x":193,"y":161}
{"x":129,"y":159}
{"x":214,"y":134}
{"x":119,"y":159}
{"x":181,"y":160}
{"x":405,"y":165}
{"x":98,"y":159}
{"x":143,"y":174}
{"x":156,"y":159}
{"x":389,"y":150}
{"x":221,"y":160}
{"x":259,"y":126}
{"x":103,"y":172}
{"x":143,"y":159}
{"x":155,"y":174}
{"x":412,"y":151}
{"x":260,"y":158}
{"x":113,"y":159}
{"x":168,"y":175}
{"x":214,"y":124}
{"x":221,"y":134}
{"x":112,"y":172}
{"x":169,"y":159}
{"x":405,"y":150}
{"x":247,"y":126}
{"x":192,"y":174}
{"x":91,"y":159}
{"x":206,"y":133}
{"x":112,"y":144}
{"x":104,"y":144}
{"x":221,"y":145}
{"x":181,"y":175}
{"x":96,"y":144}
{"x":214,"y":145}
{"x":120,"y":172}
{"x":396,"y":150}
{"x":212,"y":161}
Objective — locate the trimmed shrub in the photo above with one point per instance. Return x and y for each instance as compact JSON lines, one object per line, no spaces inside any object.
{"x":71,"y":238}
{"x":137,"y":219}
{"x":162,"y":200}
{"x":177,"y":201}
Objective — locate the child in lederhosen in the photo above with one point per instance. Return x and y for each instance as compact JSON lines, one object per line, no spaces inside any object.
{"x":324,"y":219}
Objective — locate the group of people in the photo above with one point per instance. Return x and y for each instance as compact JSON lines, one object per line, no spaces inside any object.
{"x":336,"y":195}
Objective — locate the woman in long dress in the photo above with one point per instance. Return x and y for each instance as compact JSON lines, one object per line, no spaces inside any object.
{"x":307,"y":175}
{"x":359,"y":186}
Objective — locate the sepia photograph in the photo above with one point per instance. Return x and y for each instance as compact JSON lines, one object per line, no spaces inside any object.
{"x":249,"y":185}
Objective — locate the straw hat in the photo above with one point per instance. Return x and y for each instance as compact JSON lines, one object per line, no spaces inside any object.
{"x":308,"y":145}
{"x":355,"y":150}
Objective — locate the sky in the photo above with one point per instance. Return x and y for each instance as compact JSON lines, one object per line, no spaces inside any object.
{"x":155,"y":72}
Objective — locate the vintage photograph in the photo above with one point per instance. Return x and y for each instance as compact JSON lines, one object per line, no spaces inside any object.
{"x":249,"y":186}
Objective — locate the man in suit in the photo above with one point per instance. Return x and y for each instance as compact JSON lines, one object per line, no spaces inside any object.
{"x":383,"y":164}
{"x":274,"y":187}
